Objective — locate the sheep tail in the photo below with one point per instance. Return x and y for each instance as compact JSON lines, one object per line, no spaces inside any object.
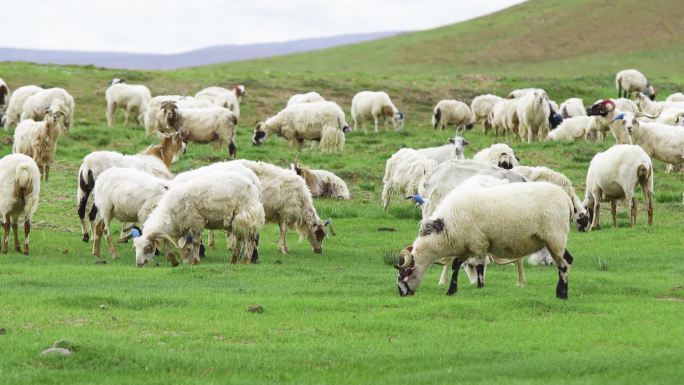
{"x":86,"y":186}
{"x":24,"y":181}
{"x":332,"y":139}
{"x":249,"y":220}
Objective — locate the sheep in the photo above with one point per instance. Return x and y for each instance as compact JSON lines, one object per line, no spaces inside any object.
{"x":126,"y":194}
{"x":203,"y":125}
{"x":154,"y":117}
{"x":375,"y":105}
{"x":453,"y":150}
{"x":660,"y":141}
{"x":4,"y":95}
{"x":655,"y":108}
{"x":220,"y":200}
{"x":500,"y":155}
{"x":319,"y":121}
{"x":37,"y":105}
{"x":676,"y":97}
{"x":577,"y":128}
{"x":572,"y":108}
{"x":19,"y":196}
{"x":287,"y":202}
{"x":533,"y":114}
{"x":482,"y":107}
{"x":513,"y":219}
{"x":504,"y":116}
{"x":517,"y":94}
{"x":16,"y":104}
{"x":613,"y":175}
{"x":130,"y":97}
{"x":39,"y":139}
{"x":221,"y":97}
{"x":622,"y":104}
{"x":632,"y":81}
{"x":452,"y":112}
{"x":155,"y":160}
{"x":673,"y":116}
{"x":309,"y":97}
{"x":404,"y":172}
{"x":321,"y":183}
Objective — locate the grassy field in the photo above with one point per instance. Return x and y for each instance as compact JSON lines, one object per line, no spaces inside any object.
{"x":336,"y":318}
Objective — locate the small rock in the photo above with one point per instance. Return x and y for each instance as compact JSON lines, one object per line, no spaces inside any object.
{"x":103,"y":306}
{"x":255,"y":309}
{"x":3,"y":331}
{"x":56,"y":352}
{"x":64,"y":344}
{"x":387,"y":229}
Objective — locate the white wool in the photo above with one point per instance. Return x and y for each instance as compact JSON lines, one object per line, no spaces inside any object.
{"x":533,"y":114}
{"x":655,"y":108}
{"x":516,"y":94}
{"x":577,"y":128}
{"x":19,"y":192}
{"x":16,"y":104}
{"x":504,"y":117}
{"x":628,"y":82}
{"x":39,"y":139}
{"x":453,"y":150}
{"x":498,"y":155}
{"x":322,"y":183}
{"x":221,"y":97}
{"x":673,"y":116}
{"x":676,"y":97}
{"x":660,"y":141}
{"x":37,"y":104}
{"x":309,"y":97}
{"x":452,"y":112}
{"x":572,"y":108}
{"x":206,"y":125}
{"x":132,"y":98}
{"x":154,"y":117}
{"x":404,"y":172}
{"x":375,"y":106}
{"x":482,"y":107}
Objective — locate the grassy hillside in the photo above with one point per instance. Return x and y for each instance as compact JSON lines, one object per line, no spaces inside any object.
{"x":336,"y":318}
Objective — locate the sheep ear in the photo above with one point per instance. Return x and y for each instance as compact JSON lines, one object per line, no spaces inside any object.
{"x":451,"y":140}
{"x":181,"y":242}
{"x":465,"y":142}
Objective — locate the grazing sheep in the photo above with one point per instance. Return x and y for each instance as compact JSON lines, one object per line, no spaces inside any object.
{"x":218,"y":200}
{"x":155,"y":160}
{"x":504,"y":116}
{"x":655,"y":108}
{"x":375,"y":105}
{"x":319,"y":121}
{"x":19,"y":192}
{"x":126,"y":194}
{"x":16,"y":104}
{"x":613,"y":175}
{"x":287,"y":202}
{"x":453,"y":150}
{"x":676,"y":97}
{"x":622,"y":104}
{"x":454,"y":112}
{"x":577,"y":128}
{"x":221,"y":97}
{"x":155,"y":119}
{"x":131,"y":97}
{"x":309,"y":97}
{"x":499,"y":155}
{"x":404,"y":172}
{"x":482,"y":107}
{"x":322,"y":183}
{"x":39,"y":139}
{"x":514,"y":220}
{"x":533,"y":114}
{"x":38,"y":104}
{"x":572,"y":108}
{"x":4,"y":95}
{"x":629,"y":82}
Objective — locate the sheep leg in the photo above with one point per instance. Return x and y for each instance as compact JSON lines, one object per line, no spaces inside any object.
{"x":247,"y":258}
{"x":47,"y":171}
{"x":15,"y":232}
{"x":282,"y":244}
{"x":110,"y":243}
{"x":97,"y":238}
{"x":595,"y":221}
{"x":111,"y":109}
{"x":453,"y":285}
{"x":633,"y":212}
{"x":521,"y":273}
{"x":443,"y":276}
{"x":126,"y":113}
{"x":386,"y":193}
{"x":613,"y":212}
{"x":649,"y":199}
{"x":27,"y":231}
{"x":669,"y":168}
{"x":211,"y":240}
{"x":92,"y":215}
{"x":236,"y":253}
{"x":563,"y":261}
{"x":480,"y":268}
{"x":171,"y":257}
{"x":5,"y":237}
{"x":375,"y":119}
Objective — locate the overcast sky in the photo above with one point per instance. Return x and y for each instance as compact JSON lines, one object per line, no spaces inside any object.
{"x":168,"y":26}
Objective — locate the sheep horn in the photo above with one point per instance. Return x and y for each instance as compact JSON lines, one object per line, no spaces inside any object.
{"x":328,"y":223}
{"x":405,"y":260}
{"x":133,"y":232}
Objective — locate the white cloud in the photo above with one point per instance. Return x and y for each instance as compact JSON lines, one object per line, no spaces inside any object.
{"x":165,"y":26}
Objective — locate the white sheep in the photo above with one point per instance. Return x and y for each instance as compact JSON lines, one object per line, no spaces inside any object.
{"x":319,"y":121}
{"x":155,"y":160}
{"x":39,"y":139}
{"x":631,"y":81}
{"x":533,"y":114}
{"x":4,"y":95}
{"x":572,"y":107}
{"x":404,"y":172}
{"x":219,"y":200}
{"x":453,"y":150}
{"x":676,"y":97}
{"x":375,"y":105}
{"x":126,"y":194}
{"x":504,"y":117}
{"x":221,"y":97}
{"x":514,"y":220}
{"x":19,"y":193}
{"x":613,"y":175}
{"x":155,"y":118}
{"x":655,"y":108}
{"x":37,"y":105}
{"x":322,"y":183}
{"x":482,"y":107}
{"x":132,"y":98}
{"x":517,"y":94}
{"x":309,"y":97}
{"x":454,"y":112}
{"x":673,"y":116}
{"x":576,"y":128}
{"x":287,"y":202}
{"x":499,"y":155}
{"x":16,"y":104}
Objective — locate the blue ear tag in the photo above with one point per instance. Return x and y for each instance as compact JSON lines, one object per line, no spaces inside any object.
{"x":619,"y":117}
{"x":135,"y":233}
{"x":327,"y":222}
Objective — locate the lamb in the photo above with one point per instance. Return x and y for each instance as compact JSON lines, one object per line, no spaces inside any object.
{"x":576,"y":128}
{"x":375,"y":105}
{"x":528,"y":217}
{"x":322,"y":183}
{"x":131,"y":97}
{"x":655,"y":108}
{"x":404,"y":172}
{"x":482,"y":107}
{"x":533,"y":114}
{"x":203,"y":125}
{"x":19,"y":193}
{"x":632,"y":81}
{"x":155,"y":160}
{"x":319,"y":121}
{"x":504,"y":116}
{"x":453,"y":150}
{"x":454,"y":112}
{"x":309,"y":97}
{"x":220,"y":200}
{"x":154,"y":117}
{"x":676,"y":97}
{"x":4,"y":95}
{"x":287,"y":201}
{"x":572,"y":108}
{"x":39,"y":139}
{"x":37,"y":105}
{"x":16,"y":104}
{"x":613,"y":175}
{"x":128,"y":195}
{"x":221,"y":97}
{"x":500,"y":155}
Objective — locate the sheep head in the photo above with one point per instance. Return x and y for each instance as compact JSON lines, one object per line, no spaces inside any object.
{"x":117,"y":81}
{"x":240,"y":91}
{"x":172,"y":145}
{"x":582,"y":219}
{"x":398,"y":120}
{"x":171,"y":114}
{"x":260,"y":134}
{"x":459,"y":145}
{"x":628,"y":123}
{"x":649,"y":91}
{"x":405,"y":267}
{"x":602,"y":108}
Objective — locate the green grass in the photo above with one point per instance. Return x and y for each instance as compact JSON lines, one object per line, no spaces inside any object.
{"x":337,"y":317}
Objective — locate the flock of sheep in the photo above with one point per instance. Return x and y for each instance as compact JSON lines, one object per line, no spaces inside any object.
{"x":474,"y":211}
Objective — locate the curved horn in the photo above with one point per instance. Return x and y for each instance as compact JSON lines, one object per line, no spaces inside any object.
{"x":405,"y":259}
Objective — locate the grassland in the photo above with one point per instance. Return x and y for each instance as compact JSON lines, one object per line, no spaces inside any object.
{"x":336,"y":317}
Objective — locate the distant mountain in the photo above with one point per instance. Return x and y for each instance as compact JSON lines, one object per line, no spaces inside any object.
{"x":200,"y":57}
